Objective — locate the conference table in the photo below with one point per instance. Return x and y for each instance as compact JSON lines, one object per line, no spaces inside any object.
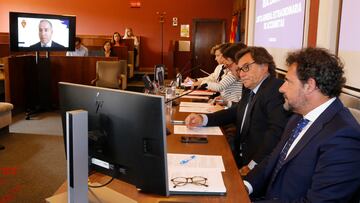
{"x":217,"y":145}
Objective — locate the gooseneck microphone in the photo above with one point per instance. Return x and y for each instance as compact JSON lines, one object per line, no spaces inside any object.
{"x":183,"y":72}
{"x":203,"y":86}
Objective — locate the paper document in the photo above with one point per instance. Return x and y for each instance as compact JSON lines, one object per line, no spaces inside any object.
{"x":187,"y":84}
{"x":195,"y":162}
{"x":196,"y":97}
{"x":200,"y":92}
{"x":190,"y":109}
{"x":182,"y":129}
{"x":196,"y":182}
{"x":196,"y":104}
{"x":195,"y":174}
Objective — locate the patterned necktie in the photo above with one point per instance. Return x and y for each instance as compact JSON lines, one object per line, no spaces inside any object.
{"x":299,"y":127}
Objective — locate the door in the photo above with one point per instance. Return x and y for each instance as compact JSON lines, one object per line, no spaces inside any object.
{"x":206,"y":34}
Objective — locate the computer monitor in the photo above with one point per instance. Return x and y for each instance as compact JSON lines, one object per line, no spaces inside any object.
{"x":127,"y":134}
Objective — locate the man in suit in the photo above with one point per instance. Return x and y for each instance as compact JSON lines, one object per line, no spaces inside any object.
{"x":45,"y":35}
{"x":260,"y":120}
{"x":318,"y":159}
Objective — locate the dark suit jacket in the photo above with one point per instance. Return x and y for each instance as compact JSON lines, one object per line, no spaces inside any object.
{"x":266,"y":122}
{"x":323,"y":166}
{"x":53,"y":45}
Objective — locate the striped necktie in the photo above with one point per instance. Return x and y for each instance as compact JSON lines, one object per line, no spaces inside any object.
{"x":299,"y":127}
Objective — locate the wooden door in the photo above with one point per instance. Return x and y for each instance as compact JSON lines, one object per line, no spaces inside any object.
{"x":206,"y":34}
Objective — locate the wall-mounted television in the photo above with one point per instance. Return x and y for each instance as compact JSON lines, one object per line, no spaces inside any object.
{"x":41,"y":32}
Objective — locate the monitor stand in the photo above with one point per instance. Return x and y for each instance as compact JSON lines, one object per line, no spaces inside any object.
{"x":77,"y":155}
{"x":41,"y":102}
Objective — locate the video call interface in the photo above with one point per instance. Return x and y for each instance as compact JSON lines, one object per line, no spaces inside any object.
{"x":28,"y":31}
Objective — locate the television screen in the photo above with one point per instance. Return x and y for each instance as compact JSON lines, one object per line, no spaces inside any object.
{"x":41,"y":32}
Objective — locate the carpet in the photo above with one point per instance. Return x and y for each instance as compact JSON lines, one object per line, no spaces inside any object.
{"x":32,"y":167}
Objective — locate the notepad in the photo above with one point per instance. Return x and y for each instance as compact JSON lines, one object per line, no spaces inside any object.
{"x":182,"y":129}
{"x":199,"y":174}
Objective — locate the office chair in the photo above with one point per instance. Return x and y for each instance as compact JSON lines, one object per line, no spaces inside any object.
{"x":159,"y":74}
{"x":111,"y":74}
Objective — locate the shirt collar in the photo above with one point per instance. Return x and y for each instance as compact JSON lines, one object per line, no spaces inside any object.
{"x":47,"y":44}
{"x":258,"y":86}
{"x":315,"y":113}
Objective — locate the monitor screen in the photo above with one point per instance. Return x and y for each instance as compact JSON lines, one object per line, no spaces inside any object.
{"x":279,"y":27}
{"x":348,"y":44}
{"x":37,"y":32}
{"x":127,"y":135}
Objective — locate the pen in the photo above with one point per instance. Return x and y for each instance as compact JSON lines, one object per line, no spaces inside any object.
{"x":187,"y":160}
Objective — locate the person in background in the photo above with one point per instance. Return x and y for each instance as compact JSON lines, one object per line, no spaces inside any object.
{"x":107,"y":49}
{"x":45,"y":35}
{"x":129,"y":34}
{"x":116,"y":40}
{"x":221,"y":80}
{"x":259,"y":116}
{"x":318,"y":158}
{"x":80,"y":50}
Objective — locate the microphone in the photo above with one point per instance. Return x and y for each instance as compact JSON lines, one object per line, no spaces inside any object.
{"x":203,"y":86}
{"x":178,"y":78}
{"x":203,"y":71}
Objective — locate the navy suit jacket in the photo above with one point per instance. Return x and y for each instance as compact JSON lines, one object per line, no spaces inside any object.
{"x":267,"y":120}
{"x":53,"y":45}
{"x":324,"y":166}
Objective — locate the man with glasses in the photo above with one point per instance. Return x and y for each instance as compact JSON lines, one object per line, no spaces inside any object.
{"x":318,"y":158}
{"x":259,"y":116}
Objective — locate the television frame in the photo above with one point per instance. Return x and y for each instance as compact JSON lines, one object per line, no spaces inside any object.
{"x":14,"y":31}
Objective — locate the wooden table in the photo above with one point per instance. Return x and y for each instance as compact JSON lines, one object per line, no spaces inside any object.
{"x":217,"y":145}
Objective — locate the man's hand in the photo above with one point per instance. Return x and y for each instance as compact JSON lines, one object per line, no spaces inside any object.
{"x":244,"y":171}
{"x":193,"y":120}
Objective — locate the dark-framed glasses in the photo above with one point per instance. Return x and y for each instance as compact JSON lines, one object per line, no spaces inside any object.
{"x":245,"y":67}
{"x":195,"y":180}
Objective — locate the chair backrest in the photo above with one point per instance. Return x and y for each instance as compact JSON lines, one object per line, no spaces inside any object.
{"x":109,"y":73}
{"x":355,"y":113}
{"x":159,"y":74}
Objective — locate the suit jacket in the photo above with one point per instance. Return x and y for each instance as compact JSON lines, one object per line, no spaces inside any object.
{"x":267,"y":119}
{"x":53,"y":45}
{"x":323,"y":166}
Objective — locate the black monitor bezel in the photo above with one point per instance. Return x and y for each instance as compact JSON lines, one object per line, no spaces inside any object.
{"x":14,"y":38}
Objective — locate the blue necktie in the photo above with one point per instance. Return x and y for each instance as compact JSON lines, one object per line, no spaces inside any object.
{"x":299,"y":127}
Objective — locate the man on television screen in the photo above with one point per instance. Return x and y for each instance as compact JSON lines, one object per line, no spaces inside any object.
{"x":45,"y":34}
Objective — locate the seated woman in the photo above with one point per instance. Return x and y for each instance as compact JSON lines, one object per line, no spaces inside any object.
{"x":116,"y":40}
{"x":107,"y":49}
{"x":221,"y":80}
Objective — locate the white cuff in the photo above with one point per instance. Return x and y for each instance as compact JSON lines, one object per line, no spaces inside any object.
{"x":205,"y":119}
{"x":249,"y":187}
{"x":252,"y":164}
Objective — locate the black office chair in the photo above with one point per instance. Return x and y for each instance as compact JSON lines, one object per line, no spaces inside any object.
{"x":159,"y":74}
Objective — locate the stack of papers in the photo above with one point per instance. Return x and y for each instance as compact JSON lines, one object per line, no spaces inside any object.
{"x":195,"y":174}
{"x":200,"y":92}
{"x":182,"y":129}
{"x":198,"y":107}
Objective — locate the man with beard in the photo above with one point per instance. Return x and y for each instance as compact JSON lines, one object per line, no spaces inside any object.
{"x":318,"y":158}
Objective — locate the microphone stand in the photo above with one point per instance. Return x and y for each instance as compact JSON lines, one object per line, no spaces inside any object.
{"x":175,"y":98}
